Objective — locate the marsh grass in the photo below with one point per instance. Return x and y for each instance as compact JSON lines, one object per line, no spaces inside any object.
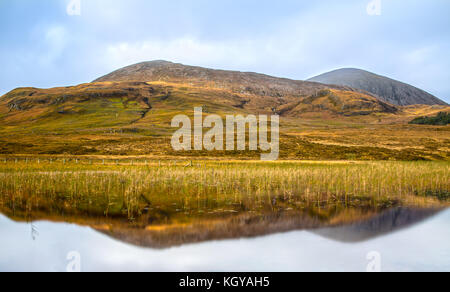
{"x":169,"y":192}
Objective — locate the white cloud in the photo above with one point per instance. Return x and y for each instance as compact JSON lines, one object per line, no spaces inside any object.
{"x":56,"y":40}
{"x":420,"y":55}
{"x":187,"y":50}
{"x":298,"y":47}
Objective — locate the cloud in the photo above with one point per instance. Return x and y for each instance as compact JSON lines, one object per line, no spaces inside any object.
{"x":294,"y":47}
{"x":293,"y":39}
{"x":186,"y":49}
{"x":420,"y":55}
{"x":56,"y":41}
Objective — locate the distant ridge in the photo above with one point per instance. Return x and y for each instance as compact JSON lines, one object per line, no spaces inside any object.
{"x":388,"y":90}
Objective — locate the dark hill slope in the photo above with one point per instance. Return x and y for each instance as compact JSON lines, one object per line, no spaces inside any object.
{"x":388,"y":90}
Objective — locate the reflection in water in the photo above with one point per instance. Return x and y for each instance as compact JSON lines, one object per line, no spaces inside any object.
{"x":166,"y":207}
{"x":405,"y":250}
{"x":334,"y":222}
{"x":34,"y":231}
{"x":222,"y":216}
{"x":381,"y":224}
{"x":348,"y":227}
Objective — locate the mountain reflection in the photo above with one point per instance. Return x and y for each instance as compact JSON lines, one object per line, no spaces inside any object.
{"x":333,"y":222}
{"x":381,"y":224}
{"x":348,"y":227}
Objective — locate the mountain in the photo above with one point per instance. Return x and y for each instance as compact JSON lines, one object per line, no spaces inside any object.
{"x":237,"y":82}
{"x":128,"y":94}
{"x":129,"y":112}
{"x":283,"y":96}
{"x":388,"y":90}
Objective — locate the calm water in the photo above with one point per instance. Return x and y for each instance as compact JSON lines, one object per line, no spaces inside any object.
{"x":404,"y":243}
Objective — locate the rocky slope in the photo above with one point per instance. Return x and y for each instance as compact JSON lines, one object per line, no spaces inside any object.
{"x":386,"y":89}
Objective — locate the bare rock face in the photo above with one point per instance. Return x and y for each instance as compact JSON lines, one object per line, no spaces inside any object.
{"x":386,"y":89}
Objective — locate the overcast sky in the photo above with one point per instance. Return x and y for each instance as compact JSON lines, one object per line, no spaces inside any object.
{"x":43,"y":46}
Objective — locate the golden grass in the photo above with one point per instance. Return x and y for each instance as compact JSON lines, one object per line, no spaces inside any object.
{"x":174,"y":193}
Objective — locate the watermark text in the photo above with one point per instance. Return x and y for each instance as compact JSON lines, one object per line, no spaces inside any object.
{"x":189,"y":138}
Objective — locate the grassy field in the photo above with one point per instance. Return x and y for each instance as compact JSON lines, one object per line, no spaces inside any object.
{"x":308,"y":141}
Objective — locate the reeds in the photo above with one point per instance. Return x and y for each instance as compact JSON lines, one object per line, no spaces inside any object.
{"x":167,"y":190}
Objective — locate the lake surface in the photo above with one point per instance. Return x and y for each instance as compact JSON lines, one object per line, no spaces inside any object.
{"x":396,"y":240}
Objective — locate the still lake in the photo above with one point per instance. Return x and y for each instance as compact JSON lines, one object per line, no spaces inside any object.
{"x":400,"y":240}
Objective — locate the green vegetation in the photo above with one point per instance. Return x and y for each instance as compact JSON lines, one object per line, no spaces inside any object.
{"x":442,"y":119}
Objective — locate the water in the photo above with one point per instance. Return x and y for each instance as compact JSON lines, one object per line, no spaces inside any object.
{"x":405,"y":240}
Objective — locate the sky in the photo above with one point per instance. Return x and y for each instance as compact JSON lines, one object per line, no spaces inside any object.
{"x":50,"y":43}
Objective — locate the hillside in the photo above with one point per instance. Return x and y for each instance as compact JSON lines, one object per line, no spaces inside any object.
{"x":123,"y":115}
{"x":152,"y":105}
{"x":388,"y":90}
{"x":258,"y":92}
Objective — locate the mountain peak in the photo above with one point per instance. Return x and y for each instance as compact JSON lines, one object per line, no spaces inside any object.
{"x":387,"y":89}
{"x":153,"y":63}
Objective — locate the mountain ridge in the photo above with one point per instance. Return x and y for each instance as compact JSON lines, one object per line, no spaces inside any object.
{"x":239,"y":82}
